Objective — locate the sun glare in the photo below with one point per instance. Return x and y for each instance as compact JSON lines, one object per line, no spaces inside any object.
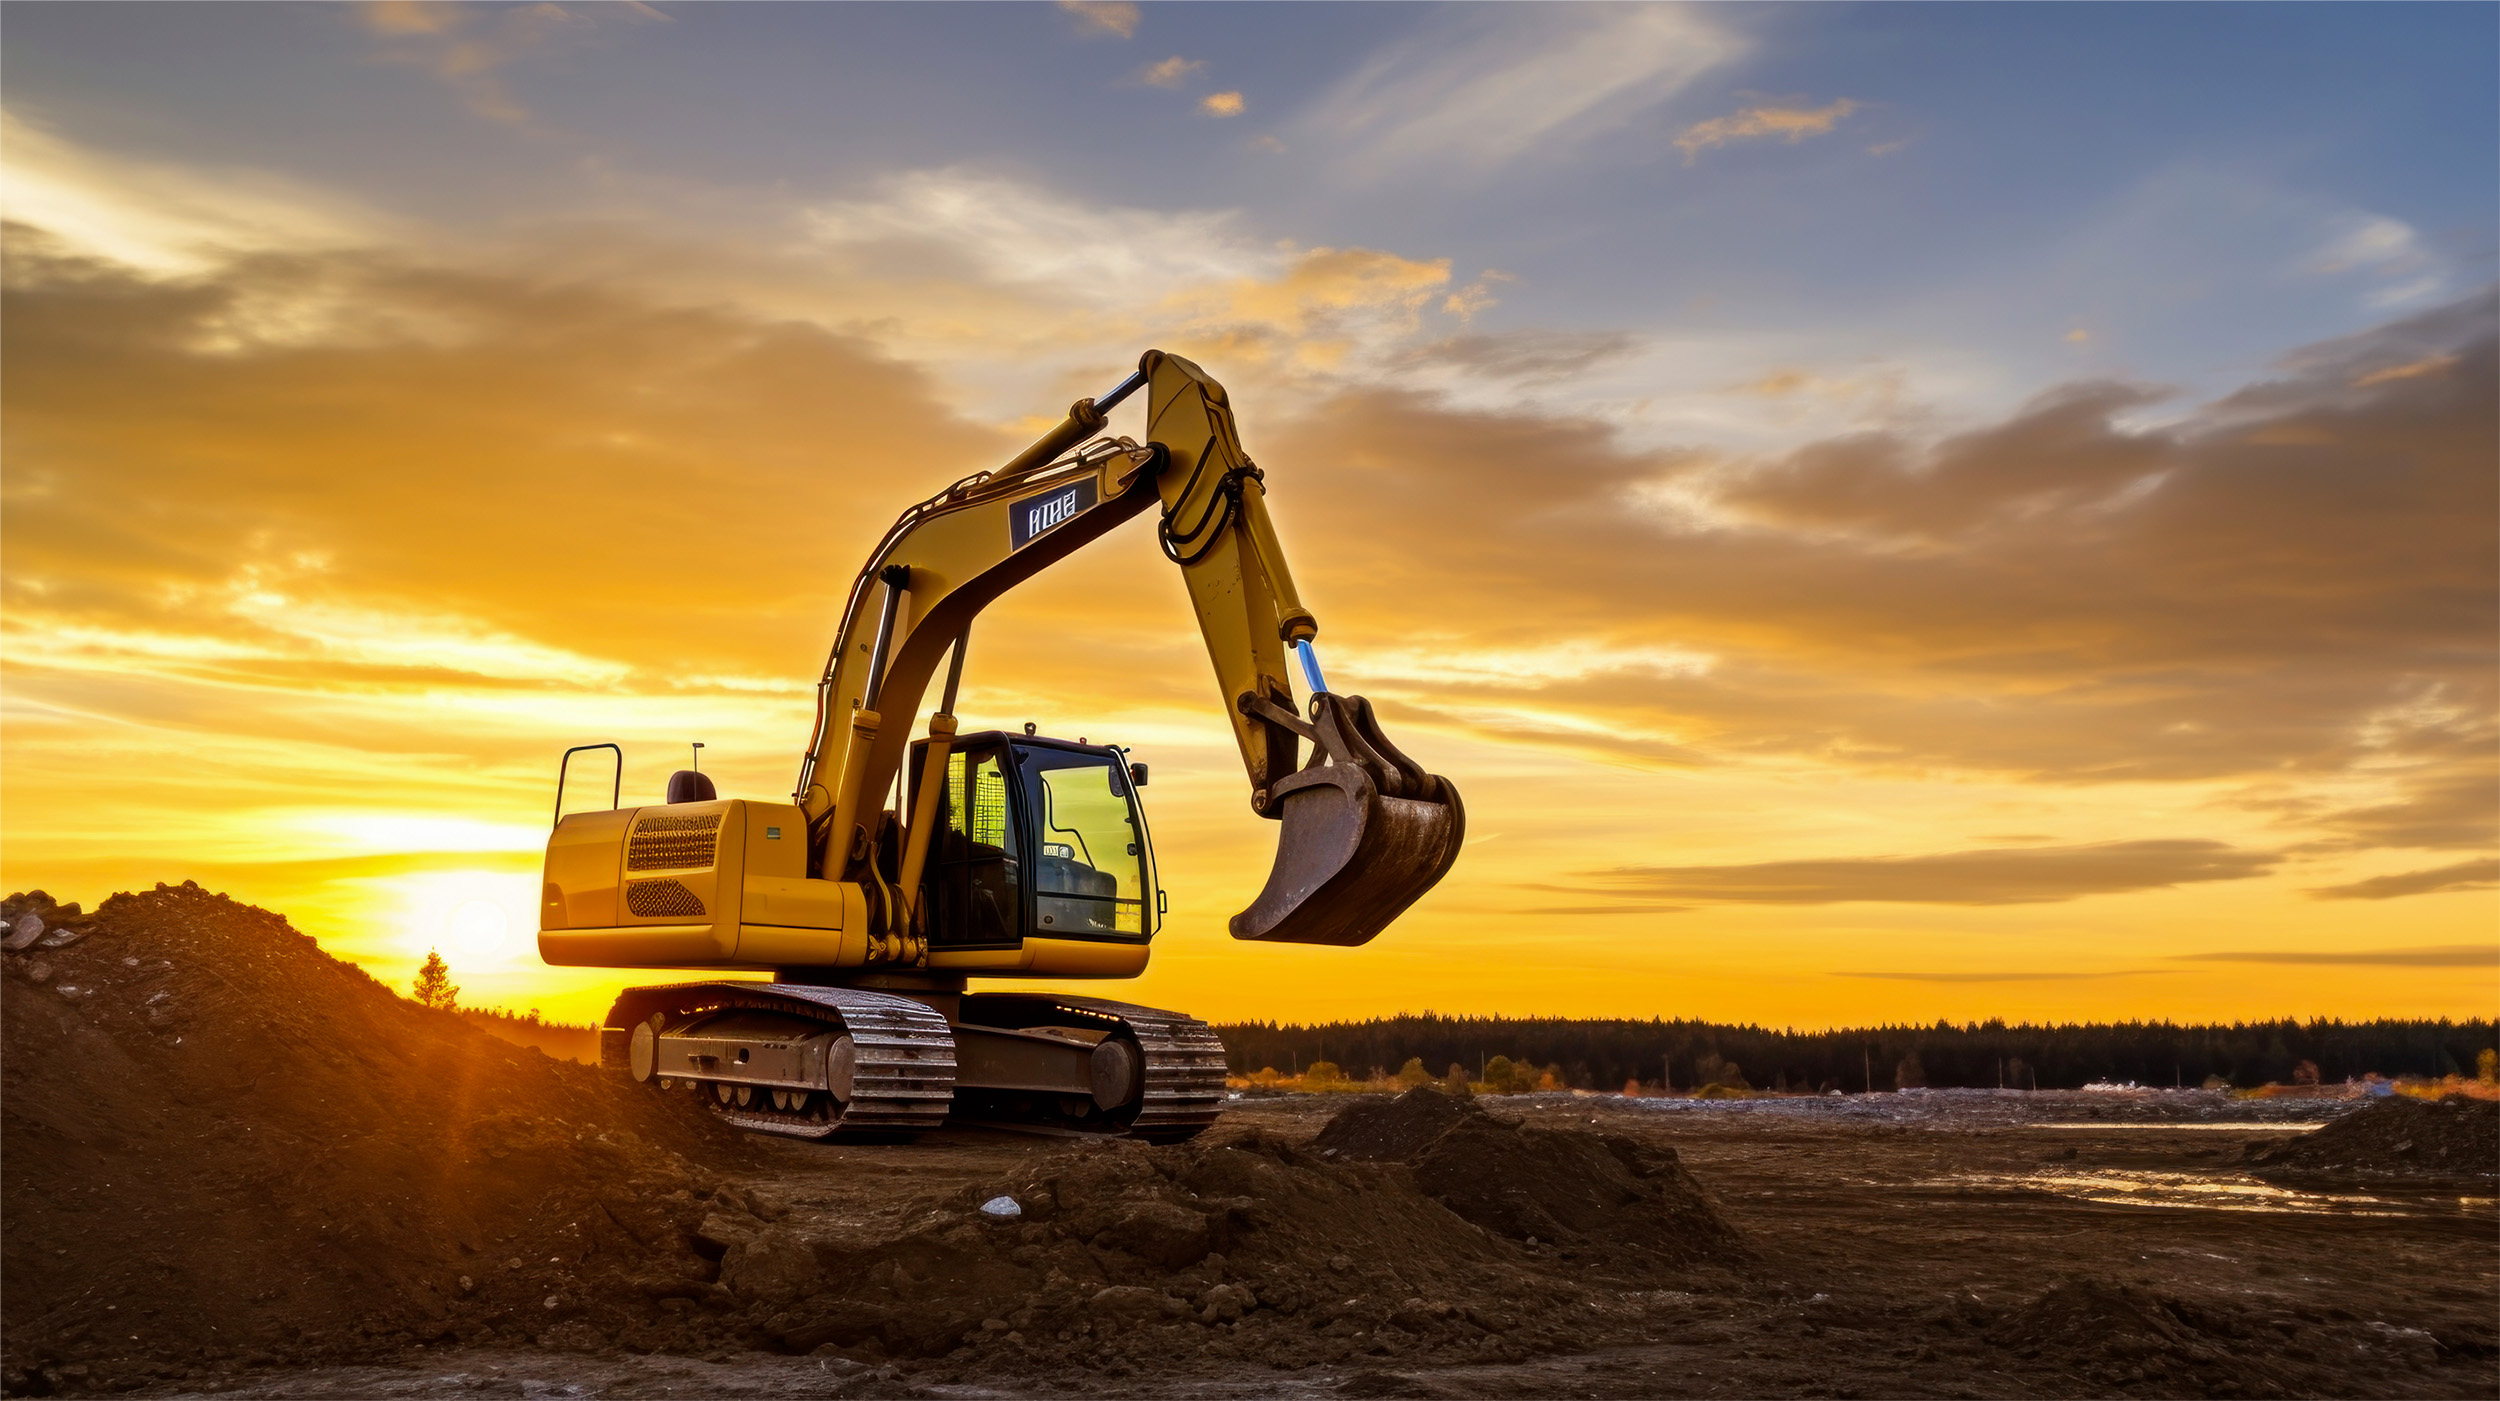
{"x":480,"y":921}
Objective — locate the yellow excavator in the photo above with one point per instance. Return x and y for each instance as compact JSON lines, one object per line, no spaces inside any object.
{"x":1003,"y":855}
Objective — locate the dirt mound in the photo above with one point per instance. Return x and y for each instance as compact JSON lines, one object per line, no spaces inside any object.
{"x":226,"y":1147}
{"x":2124,"y":1338}
{"x":2399,"y":1137}
{"x":1603,"y":1196}
{"x":1594,"y":1195}
{"x":1397,"y":1130}
{"x":1121,"y":1258}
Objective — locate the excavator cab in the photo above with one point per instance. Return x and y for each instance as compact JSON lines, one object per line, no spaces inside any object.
{"x":1037,"y":838}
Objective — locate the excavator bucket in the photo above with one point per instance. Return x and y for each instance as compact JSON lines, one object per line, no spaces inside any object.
{"x":1365,"y":832}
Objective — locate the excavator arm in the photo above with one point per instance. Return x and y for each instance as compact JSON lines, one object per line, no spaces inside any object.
{"x":1364,"y":830}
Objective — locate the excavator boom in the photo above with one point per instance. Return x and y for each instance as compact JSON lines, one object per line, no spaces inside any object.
{"x":1365,"y":831}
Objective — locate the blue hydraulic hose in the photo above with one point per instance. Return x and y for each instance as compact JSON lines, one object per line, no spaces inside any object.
{"x":1310,"y":666}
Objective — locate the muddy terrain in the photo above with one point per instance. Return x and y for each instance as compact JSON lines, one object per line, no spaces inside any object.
{"x":235,"y":1166}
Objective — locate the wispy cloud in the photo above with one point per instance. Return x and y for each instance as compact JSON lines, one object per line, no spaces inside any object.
{"x":164,"y":219}
{"x":2418,"y":956}
{"x":467,"y":47}
{"x":1170,"y":72}
{"x":1769,"y":121}
{"x":1496,"y":84}
{"x":1117,"y":18}
{"x":2001,"y":876}
{"x":2387,"y":254}
{"x":1222,"y":104}
{"x":2482,"y":874}
{"x":1476,"y":296}
{"x":1077,"y":278}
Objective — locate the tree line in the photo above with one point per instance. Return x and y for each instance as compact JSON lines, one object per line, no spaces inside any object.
{"x":1606,"y":1054}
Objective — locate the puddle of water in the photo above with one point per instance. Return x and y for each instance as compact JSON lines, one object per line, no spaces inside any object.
{"x":2213,"y":1192}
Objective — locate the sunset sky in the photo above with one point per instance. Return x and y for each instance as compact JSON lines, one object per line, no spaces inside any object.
{"x":1886,"y":512}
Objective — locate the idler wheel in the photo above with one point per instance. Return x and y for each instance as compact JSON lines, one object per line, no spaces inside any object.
{"x":841,"y":1064}
{"x":645,"y":1052}
{"x":1118,"y":1072}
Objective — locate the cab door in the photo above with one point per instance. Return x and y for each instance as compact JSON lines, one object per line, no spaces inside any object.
{"x":976,"y":880}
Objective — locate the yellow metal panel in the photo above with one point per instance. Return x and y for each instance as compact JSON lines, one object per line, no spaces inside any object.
{"x":584,"y":855}
{"x":776,"y":841}
{"x":636,"y":946}
{"x":802,"y":903}
{"x":1048,"y":958}
{"x":840,"y":940}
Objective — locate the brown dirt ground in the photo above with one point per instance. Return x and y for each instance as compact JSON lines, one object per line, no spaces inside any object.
{"x":277,"y":1177}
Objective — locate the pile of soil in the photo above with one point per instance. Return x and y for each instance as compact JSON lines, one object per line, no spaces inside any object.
{"x":227,"y":1148}
{"x":1602,"y":1196}
{"x":1396,"y":1130}
{"x":2120,"y":1338}
{"x":1122,"y":1258}
{"x":2397,"y":1137}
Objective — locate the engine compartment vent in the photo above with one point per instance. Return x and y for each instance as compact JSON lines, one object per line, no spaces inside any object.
{"x":654,"y":899}
{"x":673,"y":844}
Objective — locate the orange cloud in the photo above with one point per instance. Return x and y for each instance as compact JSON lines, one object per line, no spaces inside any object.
{"x":2001,"y":876}
{"x":467,"y":47}
{"x":1170,"y":72}
{"x":1117,"y":18}
{"x":1786,"y":123}
{"x":2427,"y":365}
{"x":2483,"y":874}
{"x":1222,"y":104}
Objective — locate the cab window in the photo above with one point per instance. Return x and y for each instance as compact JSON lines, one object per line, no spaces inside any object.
{"x":1089,"y":861}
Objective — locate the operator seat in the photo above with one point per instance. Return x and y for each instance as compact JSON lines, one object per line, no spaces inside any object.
{"x":691,"y":786}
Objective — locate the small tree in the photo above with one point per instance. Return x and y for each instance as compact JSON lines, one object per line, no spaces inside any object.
{"x":434,"y":986}
{"x":1454,"y":1080}
{"x":1413,"y":1075}
{"x":2305,"y":1073}
{"x":1322,"y":1075}
{"x":2487,"y":1065}
{"x":1497,"y":1075}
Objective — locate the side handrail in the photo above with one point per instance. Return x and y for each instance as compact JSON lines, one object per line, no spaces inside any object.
{"x":616,"y":790}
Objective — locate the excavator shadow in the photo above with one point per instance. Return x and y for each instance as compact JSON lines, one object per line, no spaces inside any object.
{"x":1364,"y":831}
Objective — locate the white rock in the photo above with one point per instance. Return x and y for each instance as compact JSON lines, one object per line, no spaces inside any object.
{"x":27,"y":930}
{"x":1001,"y":1209}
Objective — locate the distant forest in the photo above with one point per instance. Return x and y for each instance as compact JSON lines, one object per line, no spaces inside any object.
{"x":1605,"y":1055}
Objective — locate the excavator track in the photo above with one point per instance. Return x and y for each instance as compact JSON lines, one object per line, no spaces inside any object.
{"x":904,"y":1071}
{"x":1184,"y":1061}
{"x":903,"y":1081}
{"x":1184,"y":1071}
